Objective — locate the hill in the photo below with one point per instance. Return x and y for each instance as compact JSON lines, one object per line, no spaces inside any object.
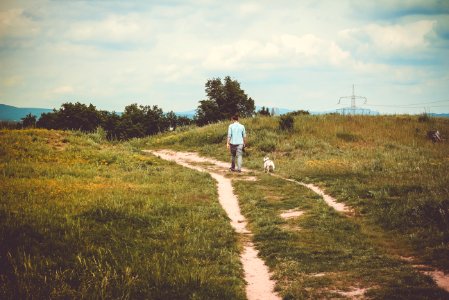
{"x":440,"y":115}
{"x":383,"y":166}
{"x":12,"y":113}
{"x":82,"y":217}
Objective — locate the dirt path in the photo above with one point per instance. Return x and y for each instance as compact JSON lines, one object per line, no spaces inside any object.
{"x":259,"y":285}
{"x":256,"y":273}
{"x":331,"y":201}
{"x":440,"y":278}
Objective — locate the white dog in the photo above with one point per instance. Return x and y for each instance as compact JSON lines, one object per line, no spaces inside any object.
{"x":268,"y":165}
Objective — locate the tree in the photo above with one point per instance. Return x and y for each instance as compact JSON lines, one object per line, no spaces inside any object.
{"x":48,"y":120}
{"x":110,"y":122}
{"x":155,"y":122}
{"x":264,"y":111}
{"x":224,"y":99}
{"x":79,"y":116}
{"x":71,"y":116}
{"x":136,"y":121}
{"x":183,"y":121}
{"x":208,"y":112}
{"x":139,"y":121}
{"x":171,"y":119}
{"x":29,"y":121}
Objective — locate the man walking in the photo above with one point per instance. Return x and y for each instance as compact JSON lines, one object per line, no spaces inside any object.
{"x":236,"y":141}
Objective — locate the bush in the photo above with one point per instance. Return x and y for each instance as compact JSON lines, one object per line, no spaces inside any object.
{"x":286,"y":122}
{"x":424,"y":117}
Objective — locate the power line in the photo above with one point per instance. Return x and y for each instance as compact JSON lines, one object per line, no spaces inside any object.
{"x":422,"y":103}
{"x":408,"y":106}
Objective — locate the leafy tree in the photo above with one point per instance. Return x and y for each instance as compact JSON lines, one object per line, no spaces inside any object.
{"x":183,"y":121}
{"x":79,"y":116}
{"x":172,"y":119}
{"x":140,"y":121}
{"x":71,"y":116}
{"x":110,"y":122}
{"x":29,"y":121}
{"x":131,"y":123}
{"x":299,"y":113}
{"x":49,"y":120}
{"x":264,"y":111}
{"x":136,"y":121}
{"x":224,"y":99}
{"x":208,"y":112}
{"x":155,"y":121}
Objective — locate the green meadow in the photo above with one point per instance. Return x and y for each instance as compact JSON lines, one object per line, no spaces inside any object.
{"x":83,"y":217}
{"x":384,"y":167}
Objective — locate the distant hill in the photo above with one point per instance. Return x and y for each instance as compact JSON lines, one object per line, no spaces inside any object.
{"x":440,"y":115}
{"x":12,"y":113}
{"x":189,"y":114}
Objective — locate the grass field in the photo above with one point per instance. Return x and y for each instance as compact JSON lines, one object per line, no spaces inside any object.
{"x":322,"y":254}
{"x":84,"y":218}
{"x":81,"y":217}
{"x":383,"y":166}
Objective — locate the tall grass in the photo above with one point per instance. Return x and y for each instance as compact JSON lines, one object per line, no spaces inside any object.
{"x":322,"y":254}
{"x":84,"y":218}
{"x":383,"y":166}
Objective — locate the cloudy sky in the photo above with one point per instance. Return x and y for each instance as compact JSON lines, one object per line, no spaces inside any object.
{"x":295,"y":54}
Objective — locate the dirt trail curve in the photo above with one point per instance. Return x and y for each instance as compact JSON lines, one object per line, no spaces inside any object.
{"x":340,"y":207}
{"x":259,"y":285}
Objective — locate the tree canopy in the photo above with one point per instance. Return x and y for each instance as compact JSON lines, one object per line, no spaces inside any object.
{"x":135,"y":121}
{"x":224,"y":99}
{"x":29,"y":121}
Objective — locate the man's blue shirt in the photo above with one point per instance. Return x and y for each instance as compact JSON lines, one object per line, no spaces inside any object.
{"x":236,"y":133}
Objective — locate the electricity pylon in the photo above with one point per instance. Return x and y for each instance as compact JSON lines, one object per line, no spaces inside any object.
{"x":352,"y":97}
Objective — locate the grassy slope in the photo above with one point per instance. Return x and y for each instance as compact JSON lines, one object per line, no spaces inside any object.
{"x":321,"y":254}
{"x":82,"y":218}
{"x":383,"y":166}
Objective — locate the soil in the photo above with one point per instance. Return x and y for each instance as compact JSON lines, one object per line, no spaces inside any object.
{"x":291,"y":213}
{"x":332,"y":202}
{"x":257,"y":276}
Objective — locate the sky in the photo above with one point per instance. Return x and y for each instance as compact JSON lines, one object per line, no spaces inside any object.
{"x":294,"y":54}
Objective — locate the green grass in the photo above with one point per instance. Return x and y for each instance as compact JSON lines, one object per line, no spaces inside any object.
{"x":322,"y":252}
{"x":83,"y":218}
{"x":383,"y":166}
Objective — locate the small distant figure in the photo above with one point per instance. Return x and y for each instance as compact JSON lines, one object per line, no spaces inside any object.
{"x":268,"y":165}
{"x":434,"y":135}
{"x":236,"y":143}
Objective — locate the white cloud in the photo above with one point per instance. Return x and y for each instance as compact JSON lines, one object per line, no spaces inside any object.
{"x":162,"y":52}
{"x":249,"y":8}
{"x":314,"y":49}
{"x":13,"y":23}
{"x":287,"y":50}
{"x":393,"y":9}
{"x":12,"y":81}
{"x":112,"y":29}
{"x":375,"y":39}
{"x":61,"y":90}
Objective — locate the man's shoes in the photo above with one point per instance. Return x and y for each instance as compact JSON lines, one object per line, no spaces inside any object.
{"x":239,"y":171}
{"x":231,"y":169}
